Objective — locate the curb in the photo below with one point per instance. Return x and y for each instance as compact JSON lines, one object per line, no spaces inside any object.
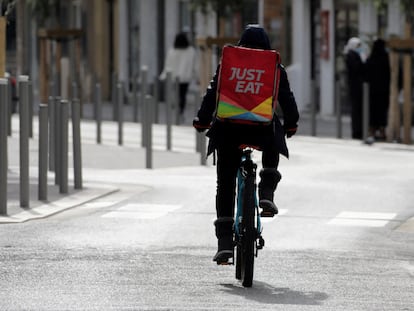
{"x":87,"y":194}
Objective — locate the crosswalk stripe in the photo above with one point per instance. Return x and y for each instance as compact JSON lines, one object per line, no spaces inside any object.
{"x":362,"y":219}
{"x":142,"y":211}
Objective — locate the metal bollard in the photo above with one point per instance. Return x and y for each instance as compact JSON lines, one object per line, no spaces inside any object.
{"x":98,"y":112}
{"x":9,"y":107}
{"x":135,"y":98}
{"x":114,"y":97}
{"x":77,"y":145}
{"x":64,"y":152}
{"x":57,"y":139}
{"x":203,"y":153}
{"x":31,"y":107}
{"x":148,"y":131}
{"x":338,"y":109}
{"x":313,"y":108}
{"x":156,"y":100}
{"x":365,"y":114}
{"x":120,"y":109}
{"x":144,"y":91}
{"x":51,"y":113}
{"x":24,"y":140}
{"x":168,"y":93}
{"x":4,"y":115}
{"x":43,"y":151}
{"x":75,"y":90}
{"x":177,"y":101}
{"x":198,"y":137}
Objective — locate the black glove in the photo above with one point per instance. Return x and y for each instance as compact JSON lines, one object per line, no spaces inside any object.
{"x":200,"y":126}
{"x":290,"y":131}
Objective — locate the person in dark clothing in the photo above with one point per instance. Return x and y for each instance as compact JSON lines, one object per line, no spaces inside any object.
{"x":355,"y":79}
{"x":226,"y":138}
{"x":378,"y":75}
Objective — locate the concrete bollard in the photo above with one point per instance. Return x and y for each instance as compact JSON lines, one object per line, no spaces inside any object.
{"x":24,"y":140}
{"x":77,"y":145}
{"x":43,"y":151}
{"x":4,"y":115}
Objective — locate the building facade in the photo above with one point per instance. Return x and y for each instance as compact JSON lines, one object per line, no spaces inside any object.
{"x":122,"y":36}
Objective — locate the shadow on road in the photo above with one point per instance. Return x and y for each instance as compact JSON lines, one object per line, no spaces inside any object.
{"x":265,"y":293}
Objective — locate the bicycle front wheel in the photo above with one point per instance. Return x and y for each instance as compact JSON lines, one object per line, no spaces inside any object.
{"x":248,"y":237}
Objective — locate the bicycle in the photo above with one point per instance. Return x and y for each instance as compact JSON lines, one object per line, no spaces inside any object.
{"x":247,"y":225}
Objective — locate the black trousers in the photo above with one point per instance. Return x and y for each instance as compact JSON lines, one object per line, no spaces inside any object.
{"x":228,"y":162}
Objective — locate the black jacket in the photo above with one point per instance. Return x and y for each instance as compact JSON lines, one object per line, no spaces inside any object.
{"x":265,"y":137}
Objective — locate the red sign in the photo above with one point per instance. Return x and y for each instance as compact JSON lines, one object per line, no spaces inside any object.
{"x":247,"y":84}
{"x":325,"y":34}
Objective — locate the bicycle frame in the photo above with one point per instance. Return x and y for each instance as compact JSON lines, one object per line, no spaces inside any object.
{"x":247,"y":168}
{"x":247,"y":224}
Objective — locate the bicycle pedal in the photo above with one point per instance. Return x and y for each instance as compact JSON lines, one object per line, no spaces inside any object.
{"x":225,"y":263}
{"x":260,"y":243}
{"x":267,"y":214}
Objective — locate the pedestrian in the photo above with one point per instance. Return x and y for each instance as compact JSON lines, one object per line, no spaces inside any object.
{"x":377,"y":70}
{"x":354,"y":60}
{"x":225,"y":138}
{"x":181,"y":61}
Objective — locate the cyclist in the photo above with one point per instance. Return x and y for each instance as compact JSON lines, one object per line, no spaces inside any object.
{"x":225,"y":138}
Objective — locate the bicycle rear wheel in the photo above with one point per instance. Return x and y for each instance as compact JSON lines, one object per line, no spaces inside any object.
{"x":246,"y":247}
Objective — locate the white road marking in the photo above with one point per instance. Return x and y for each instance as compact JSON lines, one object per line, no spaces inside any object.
{"x":362,"y":219}
{"x":282,"y":212}
{"x":99,"y":204}
{"x":267,"y":219}
{"x":142,"y":211}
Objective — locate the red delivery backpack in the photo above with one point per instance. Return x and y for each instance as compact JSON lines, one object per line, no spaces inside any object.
{"x":248,"y":85}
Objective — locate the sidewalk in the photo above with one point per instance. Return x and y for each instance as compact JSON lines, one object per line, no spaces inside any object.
{"x":110,"y":156}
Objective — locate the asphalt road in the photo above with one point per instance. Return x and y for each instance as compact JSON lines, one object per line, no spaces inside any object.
{"x":341,"y":241}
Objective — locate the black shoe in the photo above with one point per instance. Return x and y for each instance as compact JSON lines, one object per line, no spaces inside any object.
{"x":225,"y":250}
{"x":269,"y":208}
{"x":222,"y":257}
